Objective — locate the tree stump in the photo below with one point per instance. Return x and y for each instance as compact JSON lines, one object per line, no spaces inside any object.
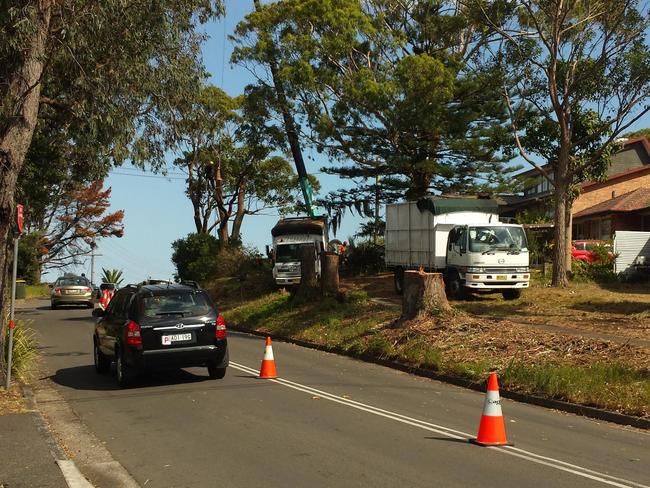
{"x":424,"y":293}
{"x":329,"y":273}
{"x":308,"y":281}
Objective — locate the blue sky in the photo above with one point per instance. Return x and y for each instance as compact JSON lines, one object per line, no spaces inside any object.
{"x":157,"y":212}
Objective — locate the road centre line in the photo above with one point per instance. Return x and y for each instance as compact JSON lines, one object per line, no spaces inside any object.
{"x":452,"y":433}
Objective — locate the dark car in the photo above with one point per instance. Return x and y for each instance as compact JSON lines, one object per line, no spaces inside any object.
{"x":160,"y":327}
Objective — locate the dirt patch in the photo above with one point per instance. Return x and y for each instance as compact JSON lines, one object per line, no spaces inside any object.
{"x":619,"y":312}
{"x":11,"y":401}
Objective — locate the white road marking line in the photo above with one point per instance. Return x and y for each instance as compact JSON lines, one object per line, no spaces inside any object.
{"x":452,"y":433}
{"x":72,"y":475}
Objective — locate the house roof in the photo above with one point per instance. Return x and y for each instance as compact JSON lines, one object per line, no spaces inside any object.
{"x":638,"y":199}
{"x":629,"y":142}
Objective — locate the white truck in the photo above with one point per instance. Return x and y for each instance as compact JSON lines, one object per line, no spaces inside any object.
{"x":461,"y":238}
{"x":289,"y":236}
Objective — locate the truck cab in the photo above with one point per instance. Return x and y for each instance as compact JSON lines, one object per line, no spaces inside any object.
{"x":290,"y":235}
{"x":487,"y":257}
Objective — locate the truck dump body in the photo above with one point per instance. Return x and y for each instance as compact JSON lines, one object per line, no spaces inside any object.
{"x":290,"y":235}
{"x":299,"y":226}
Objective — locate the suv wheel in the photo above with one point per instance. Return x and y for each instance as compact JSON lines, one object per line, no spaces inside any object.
{"x":215,"y":372}
{"x":124,"y":372}
{"x":102,"y":363}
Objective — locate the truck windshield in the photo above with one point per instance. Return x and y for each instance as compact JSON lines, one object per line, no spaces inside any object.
{"x":495,"y":238}
{"x":286,"y":253}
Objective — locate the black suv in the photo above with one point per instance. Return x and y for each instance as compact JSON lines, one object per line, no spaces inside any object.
{"x":160,"y":326}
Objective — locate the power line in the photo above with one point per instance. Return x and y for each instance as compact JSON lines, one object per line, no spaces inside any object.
{"x":150,"y":176}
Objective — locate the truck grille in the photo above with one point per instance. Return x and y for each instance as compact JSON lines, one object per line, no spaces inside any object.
{"x":501,"y":270}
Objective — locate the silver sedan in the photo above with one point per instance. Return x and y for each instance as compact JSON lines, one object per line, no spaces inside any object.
{"x":72,"y":290}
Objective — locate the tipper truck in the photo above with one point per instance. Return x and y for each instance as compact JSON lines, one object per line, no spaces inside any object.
{"x":461,"y":238}
{"x":289,"y":235}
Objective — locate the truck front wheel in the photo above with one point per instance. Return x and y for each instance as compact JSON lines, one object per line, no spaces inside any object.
{"x":398,"y":277}
{"x":511,"y":294}
{"x":454,"y":286}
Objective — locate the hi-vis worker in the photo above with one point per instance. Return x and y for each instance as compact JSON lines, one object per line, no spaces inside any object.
{"x":105,"y":299}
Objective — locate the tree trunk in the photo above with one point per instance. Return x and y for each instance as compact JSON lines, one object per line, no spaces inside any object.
{"x":287,"y":117}
{"x":308,"y":281}
{"x":568,"y":235}
{"x":329,"y":273}
{"x":424,"y":294}
{"x":19,"y":106}
{"x":560,"y":278}
{"x":235,"y":235}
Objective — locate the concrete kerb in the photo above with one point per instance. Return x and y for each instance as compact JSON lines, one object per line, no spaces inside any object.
{"x":97,"y":468}
{"x":574,"y":408}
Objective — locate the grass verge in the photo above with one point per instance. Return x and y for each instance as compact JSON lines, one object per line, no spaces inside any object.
{"x":589,"y":372}
{"x":37,"y":291}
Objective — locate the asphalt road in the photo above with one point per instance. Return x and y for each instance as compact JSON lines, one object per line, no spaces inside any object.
{"x":328,"y":421}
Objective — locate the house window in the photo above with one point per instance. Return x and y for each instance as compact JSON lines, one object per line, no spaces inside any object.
{"x":606,"y":229}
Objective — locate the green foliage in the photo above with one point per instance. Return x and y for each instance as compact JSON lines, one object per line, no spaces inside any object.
{"x":639,"y":133}
{"x":601,"y":270}
{"x":230,"y":162}
{"x":194,"y":257}
{"x":29,"y":267}
{"x":363,"y":258}
{"x":386,"y":87}
{"x":112,"y":276}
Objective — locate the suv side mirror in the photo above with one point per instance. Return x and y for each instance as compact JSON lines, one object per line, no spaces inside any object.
{"x":98,"y":312}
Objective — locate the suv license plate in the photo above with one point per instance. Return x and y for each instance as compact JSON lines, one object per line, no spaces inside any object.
{"x":168,"y":339}
{"x":502,"y":277}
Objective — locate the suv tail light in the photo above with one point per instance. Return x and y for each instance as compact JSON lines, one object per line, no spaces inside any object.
{"x":57,"y":291}
{"x":133,"y":337}
{"x":220,"y":328}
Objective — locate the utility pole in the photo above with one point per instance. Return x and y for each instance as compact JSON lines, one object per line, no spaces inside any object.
{"x":93,"y":246}
{"x":375,"y":232}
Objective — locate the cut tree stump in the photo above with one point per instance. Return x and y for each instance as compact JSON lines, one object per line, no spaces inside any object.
{"x":308,"y":281}
{"x":424,"y":293}
{"x":329,"y":273}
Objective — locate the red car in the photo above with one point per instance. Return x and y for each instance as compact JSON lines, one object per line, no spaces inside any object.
{"x":583,"y":250}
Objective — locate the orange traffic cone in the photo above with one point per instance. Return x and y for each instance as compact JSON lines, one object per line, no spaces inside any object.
{"x":267,"y":371}
{"x":492,"y":430}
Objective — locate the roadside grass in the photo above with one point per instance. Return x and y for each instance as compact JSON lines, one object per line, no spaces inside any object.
{"x":25,"y":352}
{"x":37,"y":291}
{"x":601,"y":374}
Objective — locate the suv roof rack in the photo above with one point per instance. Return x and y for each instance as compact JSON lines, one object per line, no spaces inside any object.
{"x":191,"y":283}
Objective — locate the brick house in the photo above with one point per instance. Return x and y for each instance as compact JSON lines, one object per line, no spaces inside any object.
{"x":621,"y":202}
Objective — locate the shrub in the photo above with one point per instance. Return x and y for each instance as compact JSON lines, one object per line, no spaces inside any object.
{"x":364,"y":258}
{"x":601,"y":270}
{"x":194,"y":257}
{"x":25,"y":353}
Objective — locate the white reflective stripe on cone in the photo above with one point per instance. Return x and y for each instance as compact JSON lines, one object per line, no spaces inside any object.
{"x":492,"y":406}
{"x":268,"y":353}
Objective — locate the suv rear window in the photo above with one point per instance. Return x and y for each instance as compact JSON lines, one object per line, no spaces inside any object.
{"x":187,"y":304}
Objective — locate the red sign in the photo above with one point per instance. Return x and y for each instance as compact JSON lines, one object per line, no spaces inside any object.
{"x":19,"y":218}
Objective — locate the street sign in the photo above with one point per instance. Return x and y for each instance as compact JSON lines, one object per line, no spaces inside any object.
{"x":19,"y":218}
